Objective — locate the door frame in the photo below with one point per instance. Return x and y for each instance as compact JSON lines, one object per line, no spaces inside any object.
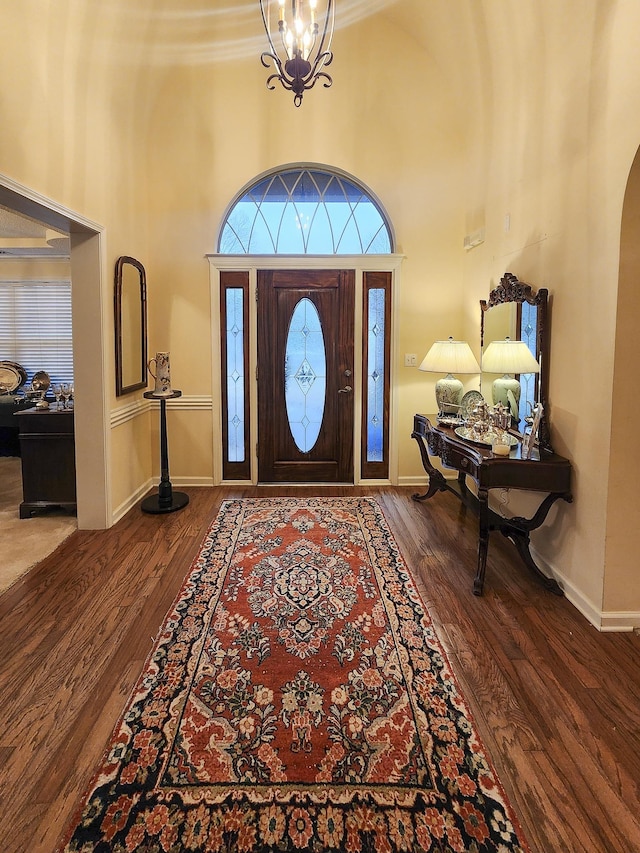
{"x":91,"y":347}
{"x":251,"y":264}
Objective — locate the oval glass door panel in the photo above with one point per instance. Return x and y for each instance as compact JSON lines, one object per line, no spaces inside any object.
{"x":305,"y":375}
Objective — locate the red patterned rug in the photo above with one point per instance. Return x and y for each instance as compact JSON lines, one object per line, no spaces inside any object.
{"x":296,"y":699}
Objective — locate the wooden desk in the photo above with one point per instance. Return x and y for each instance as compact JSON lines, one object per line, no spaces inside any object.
{"x":546,"y":472}
{"x":47,"y":447}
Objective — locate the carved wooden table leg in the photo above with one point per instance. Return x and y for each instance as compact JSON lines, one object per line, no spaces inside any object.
{"x":517,"y":530}
{"x":437,"y":482}
{"x":483,"y":540}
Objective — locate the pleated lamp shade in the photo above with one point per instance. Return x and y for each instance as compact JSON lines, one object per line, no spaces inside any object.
{"x":449,"y":357}
{"x":508,"y":358}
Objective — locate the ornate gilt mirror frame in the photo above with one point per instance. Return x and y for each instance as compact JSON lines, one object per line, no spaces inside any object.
{"x":512,"y":292}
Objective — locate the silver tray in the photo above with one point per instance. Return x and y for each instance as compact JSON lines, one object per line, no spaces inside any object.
{"x":10,"y":377}
{"x":484,"y":438}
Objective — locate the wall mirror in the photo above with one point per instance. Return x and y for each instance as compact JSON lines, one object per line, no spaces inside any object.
{"x":130,"y":304}
{"x":515,"y":310}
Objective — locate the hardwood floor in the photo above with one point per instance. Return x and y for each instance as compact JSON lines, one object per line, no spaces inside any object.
{"x":557,"y":703}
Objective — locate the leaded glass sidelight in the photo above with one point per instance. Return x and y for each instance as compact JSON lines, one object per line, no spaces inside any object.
{"x":235,"y":373}
{"x":305,"y":375}
{"x":234,"y":387}
{"x":375,"y":373}
{"x":305,"y":211}
{"x":376,"y":352}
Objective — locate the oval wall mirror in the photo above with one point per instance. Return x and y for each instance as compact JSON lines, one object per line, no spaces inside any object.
{"x":130,"y":305}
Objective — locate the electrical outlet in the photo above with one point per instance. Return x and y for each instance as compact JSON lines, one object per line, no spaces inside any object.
{"x":410,"y":359}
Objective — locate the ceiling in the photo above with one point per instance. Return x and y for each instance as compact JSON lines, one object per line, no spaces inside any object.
{"x":21,"y":236}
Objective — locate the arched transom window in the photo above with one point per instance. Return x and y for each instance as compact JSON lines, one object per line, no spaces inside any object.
{"x":307,"y":211}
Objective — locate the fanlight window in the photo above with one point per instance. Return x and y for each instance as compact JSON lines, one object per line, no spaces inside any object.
{"x":305,"y":211}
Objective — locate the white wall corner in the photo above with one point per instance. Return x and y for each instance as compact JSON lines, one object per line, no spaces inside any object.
{"x":603,"y":620}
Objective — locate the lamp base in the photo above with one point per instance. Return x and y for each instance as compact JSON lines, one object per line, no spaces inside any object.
{"x":500,"y":392}
{"x":448,"y":395}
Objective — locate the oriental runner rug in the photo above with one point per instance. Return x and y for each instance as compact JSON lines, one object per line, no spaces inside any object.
{"x":296,"y":699}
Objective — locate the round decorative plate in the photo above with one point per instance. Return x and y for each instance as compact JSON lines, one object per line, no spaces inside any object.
{"x":10,"y":378}
{"x":18,"y":367}
{"x":469,"y":402}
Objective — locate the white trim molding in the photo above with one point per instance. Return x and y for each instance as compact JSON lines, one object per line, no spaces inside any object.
{"x":133,"y":409}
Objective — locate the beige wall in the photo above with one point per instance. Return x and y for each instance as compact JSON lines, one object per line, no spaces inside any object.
{"x":561,"y":146}
{"x":149,"y":117}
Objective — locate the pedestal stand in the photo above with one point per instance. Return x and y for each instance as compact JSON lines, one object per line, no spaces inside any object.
{"x":166,"y":500}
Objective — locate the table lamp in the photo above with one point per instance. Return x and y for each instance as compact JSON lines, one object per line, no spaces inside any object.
{"x":508,"y":358}
{"x":449,"y":357}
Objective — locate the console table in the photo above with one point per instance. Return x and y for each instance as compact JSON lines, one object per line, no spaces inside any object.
{"x":543,"y":472}
{"x":47,"y":447}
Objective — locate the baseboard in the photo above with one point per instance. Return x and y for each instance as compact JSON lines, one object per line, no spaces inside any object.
{"x":619,"y":620}
{"x":414,"y":482}
{"x":152,"y":483}
{"x":177,"y":481}
{"x":602,"y":620}
{"x":131,"y":501}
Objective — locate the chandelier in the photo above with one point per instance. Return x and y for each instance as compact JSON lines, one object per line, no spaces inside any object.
{"x":305,"y":37}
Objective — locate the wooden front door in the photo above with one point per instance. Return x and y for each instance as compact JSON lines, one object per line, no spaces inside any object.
{"x":305,"y":376}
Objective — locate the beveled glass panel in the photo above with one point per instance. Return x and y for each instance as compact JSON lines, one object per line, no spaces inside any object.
{"x":235,"y":373}
{"x":528,"y":333}
{"x":375,"y":374}
{"x":305,"y":375}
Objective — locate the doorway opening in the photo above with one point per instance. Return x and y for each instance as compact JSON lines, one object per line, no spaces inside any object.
{"x":90,"y":404}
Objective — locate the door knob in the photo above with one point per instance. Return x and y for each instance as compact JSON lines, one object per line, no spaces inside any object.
{"x":345,"y":390}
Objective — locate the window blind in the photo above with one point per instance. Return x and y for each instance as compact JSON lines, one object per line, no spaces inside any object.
{"x":35,"y":327}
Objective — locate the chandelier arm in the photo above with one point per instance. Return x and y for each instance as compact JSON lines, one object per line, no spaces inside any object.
{"x":274,"y":58}
{"x":272,"y":50}
{"x":282,"y":80}
{"x":315,"y":80}
{"x":322,"y":60}
{"x":329,"y":17}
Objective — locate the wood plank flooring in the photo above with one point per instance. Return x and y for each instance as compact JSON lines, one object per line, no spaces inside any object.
{"x":557,"y":703}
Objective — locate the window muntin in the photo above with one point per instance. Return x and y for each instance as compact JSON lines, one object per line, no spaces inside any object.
{"x":305,"y":211}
